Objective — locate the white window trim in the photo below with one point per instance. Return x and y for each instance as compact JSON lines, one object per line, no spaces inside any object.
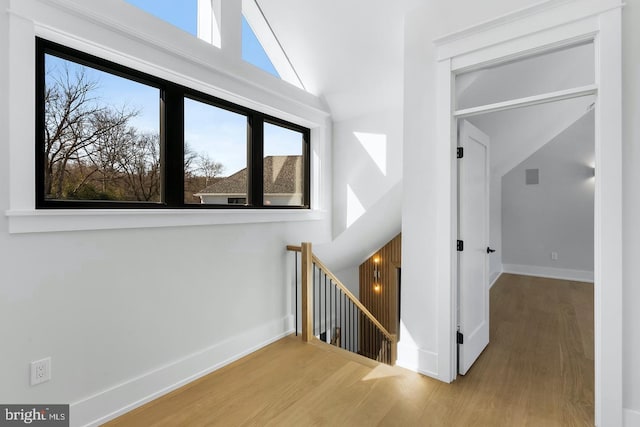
{"x":40,"y":221}
{"x":209,"y":21}
{"x":99,"y":32}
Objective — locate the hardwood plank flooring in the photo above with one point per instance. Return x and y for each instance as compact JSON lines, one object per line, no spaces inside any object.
{"x":536,"y":371}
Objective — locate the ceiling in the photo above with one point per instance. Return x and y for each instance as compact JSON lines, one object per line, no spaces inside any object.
{"x":350,"y":53}
{"x":517,"y":133}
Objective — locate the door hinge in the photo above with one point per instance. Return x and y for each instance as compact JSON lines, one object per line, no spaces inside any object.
{"x":460,"y":246}
{"x":460,"y":152}
{"x":459,"y":337}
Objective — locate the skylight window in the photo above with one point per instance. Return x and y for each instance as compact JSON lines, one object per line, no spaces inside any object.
{"x":203,"y":19}
{"x":256,"y":22}
{"x":182,"y":14}
{"x":253,"y":52}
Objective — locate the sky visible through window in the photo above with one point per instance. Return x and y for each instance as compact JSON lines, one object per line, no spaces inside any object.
{"x":215,"y":135}
{"x":253,"y":52}
{"x":184,"y":15}
{"x":212,"y":132}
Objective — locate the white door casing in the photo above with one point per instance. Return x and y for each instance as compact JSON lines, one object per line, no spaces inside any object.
{"x":542,"y":27}
{"x":473,"y":231}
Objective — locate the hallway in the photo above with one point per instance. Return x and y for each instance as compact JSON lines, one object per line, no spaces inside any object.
{"x":537,"y":370}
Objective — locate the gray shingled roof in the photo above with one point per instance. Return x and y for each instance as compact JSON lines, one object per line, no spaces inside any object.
{"x":282,"y":175}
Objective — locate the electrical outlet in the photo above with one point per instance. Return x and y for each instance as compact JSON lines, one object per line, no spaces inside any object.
{"x":40,"y":371}
{"x":554,"y":256}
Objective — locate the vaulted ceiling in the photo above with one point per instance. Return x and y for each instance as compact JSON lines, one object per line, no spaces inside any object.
{"x":348,"y":52}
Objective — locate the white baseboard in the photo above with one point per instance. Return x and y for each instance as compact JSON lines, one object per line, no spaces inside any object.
{"x":631,"y":418}
{"x":115,"y":401}
{"x":418,"y":360}
{"x":550,"y":272}
{"x":493,"y":278}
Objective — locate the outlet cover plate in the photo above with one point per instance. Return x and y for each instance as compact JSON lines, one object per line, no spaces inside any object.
{"x":40,"y":371}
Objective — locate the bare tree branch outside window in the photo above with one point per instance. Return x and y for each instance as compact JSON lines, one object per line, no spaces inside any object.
{"x":94,"y":151}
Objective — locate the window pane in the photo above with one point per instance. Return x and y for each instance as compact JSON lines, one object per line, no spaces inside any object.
{"x":101,"y":137}
{"x":283,"y":166}
{"x":253,"y":52}
{"x":215,"y":155}
{"x":182,"y":14}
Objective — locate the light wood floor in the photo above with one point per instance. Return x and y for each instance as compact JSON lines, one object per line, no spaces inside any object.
{"x":537,"y":371}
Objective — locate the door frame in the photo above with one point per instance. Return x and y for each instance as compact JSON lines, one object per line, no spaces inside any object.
{"x":545,"y":26}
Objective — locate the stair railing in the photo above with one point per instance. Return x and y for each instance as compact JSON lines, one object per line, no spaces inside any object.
{"x":331,"y":313}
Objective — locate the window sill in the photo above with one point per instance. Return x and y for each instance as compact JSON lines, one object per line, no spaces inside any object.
{"x":42,"y":221}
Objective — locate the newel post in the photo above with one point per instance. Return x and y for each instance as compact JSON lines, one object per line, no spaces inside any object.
{"x":394,"y":349}
{"x":307,"y":293}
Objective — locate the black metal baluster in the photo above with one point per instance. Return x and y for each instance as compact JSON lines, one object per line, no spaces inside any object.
{"x":346,"y":326}
{"x":335,"y":306}
{"x":372,"y":345}
{"x":348,"y":304}
{"x":331,"y":319}
{"x":326,"y":336}
{"x":374,"y":351}
{"x":351,"y":320}
{"x":342,"y":325}
{"x":355,"y":328}
{"x":370,"y":335}
{"x":339,"y":311}
{"x":319,"y":302}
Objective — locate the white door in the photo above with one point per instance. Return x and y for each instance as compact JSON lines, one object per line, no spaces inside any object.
{"x":473,"y":231}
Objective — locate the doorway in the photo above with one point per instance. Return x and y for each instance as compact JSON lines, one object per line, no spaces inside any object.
{"x":523,"y":34}
{"x":538,"y":212}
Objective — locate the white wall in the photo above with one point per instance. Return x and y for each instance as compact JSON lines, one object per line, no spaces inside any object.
{"x":631,"y":204}
{"x":557,"y":214}
{"x":127,"y":313}
{"x":495,"y":227}
{"x":554,"y":71}
{"x":350,"y":277}
{"x":367,"y":186}
{"x":419,"y":346}
{"x":514,"y":136}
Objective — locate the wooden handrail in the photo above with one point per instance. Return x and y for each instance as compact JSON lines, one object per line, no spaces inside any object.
{"x":352,"y":297}
{"x":347,"y":292}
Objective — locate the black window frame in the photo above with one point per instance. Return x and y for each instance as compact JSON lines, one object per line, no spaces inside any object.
{"x":171,"y":122}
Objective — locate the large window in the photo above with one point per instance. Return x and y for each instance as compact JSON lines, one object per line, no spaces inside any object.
{"x":113,"y":137}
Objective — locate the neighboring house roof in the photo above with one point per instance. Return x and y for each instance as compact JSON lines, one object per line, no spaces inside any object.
{"x":282,"y":175}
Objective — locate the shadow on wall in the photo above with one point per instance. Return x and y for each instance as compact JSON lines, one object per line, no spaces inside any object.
{"x":367,"y":164}
{"x":376,"y":146}
{"x":382,"y":221}
{"x":367,"y":187}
